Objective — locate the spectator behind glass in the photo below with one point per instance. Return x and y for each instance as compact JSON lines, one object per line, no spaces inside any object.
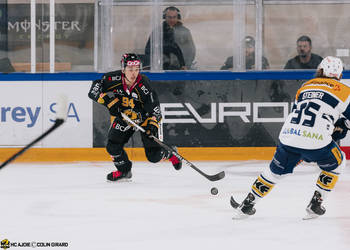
{"x":305,"y":59}
{"x":6,"y":66}
{"x":249,"y":56}
{"x":178,"y":48}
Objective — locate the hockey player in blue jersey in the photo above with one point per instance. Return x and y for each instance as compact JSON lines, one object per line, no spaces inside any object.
{"x":318,"y":118}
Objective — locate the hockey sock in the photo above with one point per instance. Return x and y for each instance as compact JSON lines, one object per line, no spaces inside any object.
{"x":326,"y":182}
{"x":121,"y":162}
{"x":327,"y":179}
{"x":264,"y":183}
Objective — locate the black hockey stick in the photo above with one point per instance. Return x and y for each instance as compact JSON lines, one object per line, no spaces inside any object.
{"x":61,"y":116}
{"x":214,"y":177}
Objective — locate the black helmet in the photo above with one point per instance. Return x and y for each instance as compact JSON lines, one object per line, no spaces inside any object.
{"x":130,"y":59}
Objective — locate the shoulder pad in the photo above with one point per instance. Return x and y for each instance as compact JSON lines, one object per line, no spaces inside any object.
{"x":112,"y":76}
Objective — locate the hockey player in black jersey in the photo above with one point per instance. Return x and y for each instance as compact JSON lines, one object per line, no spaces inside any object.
{"x":129,"y":92}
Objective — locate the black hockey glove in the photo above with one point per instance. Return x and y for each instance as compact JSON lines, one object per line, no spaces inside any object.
{"x":110,"y":101}
{"x":95,"y":90}
{"x":151,"y":126}
{"x":341,"y":128}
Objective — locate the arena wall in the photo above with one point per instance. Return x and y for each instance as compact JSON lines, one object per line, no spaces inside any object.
{"x":208,"y":115}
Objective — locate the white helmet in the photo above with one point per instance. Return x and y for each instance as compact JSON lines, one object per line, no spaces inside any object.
{"x":332,"y":67}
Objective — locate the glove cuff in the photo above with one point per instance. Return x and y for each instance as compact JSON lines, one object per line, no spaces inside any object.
{"x":152,"y":121}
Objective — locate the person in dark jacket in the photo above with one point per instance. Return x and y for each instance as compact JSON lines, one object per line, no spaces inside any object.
{"x":179,"y":50}
{"x":305,"y":59}
{"x":249,"y":56}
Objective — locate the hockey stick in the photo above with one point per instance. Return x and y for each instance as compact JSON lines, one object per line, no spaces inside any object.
{"x":61,"y":116}
{"x":214,"y":177}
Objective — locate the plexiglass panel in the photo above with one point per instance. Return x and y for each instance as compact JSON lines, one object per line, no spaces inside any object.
{"x":235,"y":35}
{"x":326,"y":25}
{"x":15,"y":36}
{"x":131,"y":27}
{"x":192,"y":35}
{"x":74,"y":35}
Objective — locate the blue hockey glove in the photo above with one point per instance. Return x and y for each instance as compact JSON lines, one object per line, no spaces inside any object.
{"x":341,"y":128}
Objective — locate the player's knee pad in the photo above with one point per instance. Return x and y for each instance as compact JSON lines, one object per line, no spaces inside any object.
{"x":334,"y":161}
{"x":114,"y":149}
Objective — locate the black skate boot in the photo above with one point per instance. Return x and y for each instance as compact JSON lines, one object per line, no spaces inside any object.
{"x":315,"y":209}
{"x":177,"y":163}
{"x":246,"y":208}
{"x":118,"y":176}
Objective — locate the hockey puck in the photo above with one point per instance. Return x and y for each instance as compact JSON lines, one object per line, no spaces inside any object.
{"x":214,"y":191}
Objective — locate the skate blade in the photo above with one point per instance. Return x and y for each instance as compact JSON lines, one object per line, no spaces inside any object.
{"x":310,"y":215}
{"x":239,"y":215}
{"x":120,"y":181}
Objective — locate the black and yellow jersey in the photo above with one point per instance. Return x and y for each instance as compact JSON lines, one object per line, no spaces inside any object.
{"x":138,"y":101}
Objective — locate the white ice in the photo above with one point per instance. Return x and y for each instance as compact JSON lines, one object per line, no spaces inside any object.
{"x":164,"y":209}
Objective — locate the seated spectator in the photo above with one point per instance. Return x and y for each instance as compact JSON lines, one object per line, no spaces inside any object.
{"x":178,"y":48}
{"x":305,"y":59}
{"x":249,"y":56}
{"x":6,"y":66}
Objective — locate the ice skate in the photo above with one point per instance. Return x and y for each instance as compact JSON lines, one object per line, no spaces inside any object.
{"x":177,"y":163}
{"x":315,"y":209}
{"x":118,"y":176}
{"x":245,"y":209}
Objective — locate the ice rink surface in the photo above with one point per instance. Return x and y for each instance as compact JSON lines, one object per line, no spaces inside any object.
{"x":164,"y":209}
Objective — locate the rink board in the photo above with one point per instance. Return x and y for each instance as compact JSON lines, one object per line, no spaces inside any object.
{"x":208,"y":115}
{"x":137,"y":154}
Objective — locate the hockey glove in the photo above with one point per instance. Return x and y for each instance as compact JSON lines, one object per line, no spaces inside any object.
{"x":341,"y":128}
{"x":151,"y":126}
{"x":95,"y":90}
{"x":110,"y":101}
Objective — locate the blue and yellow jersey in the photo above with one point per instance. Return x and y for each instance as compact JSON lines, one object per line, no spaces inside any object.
{"x":318,"y":104}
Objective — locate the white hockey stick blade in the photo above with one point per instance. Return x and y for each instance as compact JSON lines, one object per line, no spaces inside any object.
{"x":62,"y":107}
